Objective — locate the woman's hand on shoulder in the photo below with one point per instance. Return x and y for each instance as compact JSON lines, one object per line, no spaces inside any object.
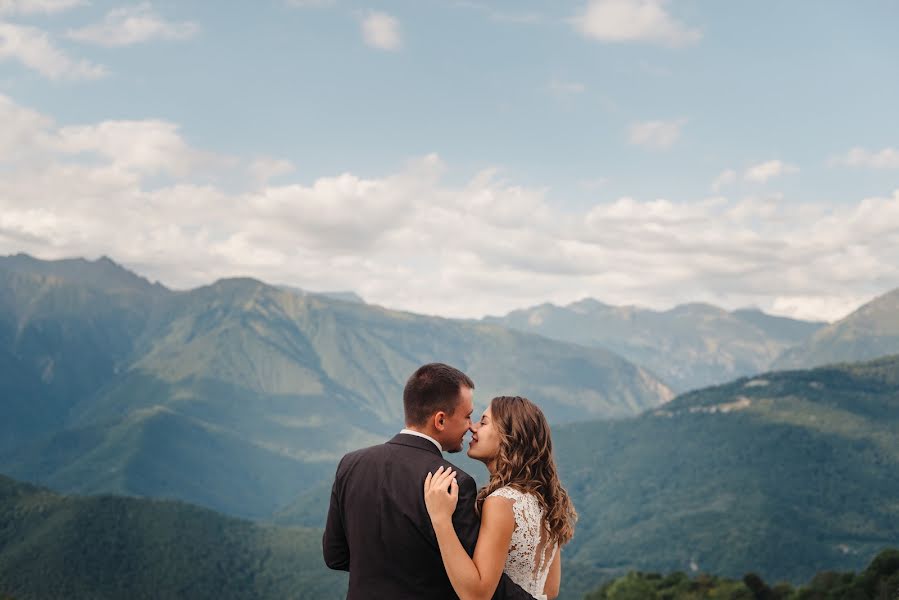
{"x":441,"y":494}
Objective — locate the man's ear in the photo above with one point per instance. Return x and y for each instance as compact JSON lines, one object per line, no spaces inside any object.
{"x":440,"y":420}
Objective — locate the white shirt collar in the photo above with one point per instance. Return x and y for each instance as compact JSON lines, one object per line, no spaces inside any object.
{"x":425,"y":436}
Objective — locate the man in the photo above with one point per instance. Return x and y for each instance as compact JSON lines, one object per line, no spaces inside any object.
{"x":378,"y":527}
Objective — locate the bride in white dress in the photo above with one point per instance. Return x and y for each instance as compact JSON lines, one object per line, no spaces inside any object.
{"x":526,"y":514}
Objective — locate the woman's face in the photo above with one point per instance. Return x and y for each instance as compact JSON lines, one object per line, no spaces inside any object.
{"x":484,"y":444}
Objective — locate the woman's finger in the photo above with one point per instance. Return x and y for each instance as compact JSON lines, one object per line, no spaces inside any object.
{"x":447,"y":484}
{"x":443,"y":480}
{"x":428,"y":482}
{"x":454,"y":489}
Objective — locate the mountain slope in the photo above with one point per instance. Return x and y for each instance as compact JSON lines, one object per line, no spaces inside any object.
{"x":869,"y":332}
{"x":247,"y":334}
{"x":785,"y":474}
{"x":62,"y":547}
{"x":689,"y":346}
{"x":66,"y":327}
{"x":160,"y":453}
{"x":273,"y":380}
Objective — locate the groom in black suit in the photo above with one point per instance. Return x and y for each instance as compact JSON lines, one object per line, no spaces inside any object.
{"x":378,"y":528}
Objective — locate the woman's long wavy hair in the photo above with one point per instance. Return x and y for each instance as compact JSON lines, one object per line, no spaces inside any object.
{"x":525,"y":462}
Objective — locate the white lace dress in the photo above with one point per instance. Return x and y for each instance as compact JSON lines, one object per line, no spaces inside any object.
{"x":529,"y":557}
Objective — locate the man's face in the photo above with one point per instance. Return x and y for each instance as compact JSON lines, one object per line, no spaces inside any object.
{"x":457,"y":425}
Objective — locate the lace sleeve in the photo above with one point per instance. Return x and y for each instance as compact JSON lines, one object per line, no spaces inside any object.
{"x":507,"y":492}
{"x":529,"y":557}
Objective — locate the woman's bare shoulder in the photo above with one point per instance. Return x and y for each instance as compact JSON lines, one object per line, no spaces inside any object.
{"x":498,"y":509}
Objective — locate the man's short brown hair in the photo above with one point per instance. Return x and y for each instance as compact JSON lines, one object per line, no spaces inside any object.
{"x":433,"y":387}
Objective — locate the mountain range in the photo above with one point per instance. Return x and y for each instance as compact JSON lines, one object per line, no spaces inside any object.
{"x":866,"y":333}
{"x":689,"y":346}
{"x":786,"y":473}
{"x":239,"y":396}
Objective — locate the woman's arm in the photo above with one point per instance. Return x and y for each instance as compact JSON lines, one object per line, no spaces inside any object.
{"x":554,"y":577}
{"x":472,"y":578}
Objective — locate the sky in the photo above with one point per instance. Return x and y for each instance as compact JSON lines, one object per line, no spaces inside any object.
{"x":463,"y":158}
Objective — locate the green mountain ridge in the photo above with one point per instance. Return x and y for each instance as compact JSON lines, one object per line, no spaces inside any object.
{"x":157,"y":452}
{"x":786,"y":474}
{"x":273,"y":380}
{"x":62,"y":547}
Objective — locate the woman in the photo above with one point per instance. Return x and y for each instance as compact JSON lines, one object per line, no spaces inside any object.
{"x":526,"y":514}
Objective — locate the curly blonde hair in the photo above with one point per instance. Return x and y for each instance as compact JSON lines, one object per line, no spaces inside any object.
{"x":525,"y":462}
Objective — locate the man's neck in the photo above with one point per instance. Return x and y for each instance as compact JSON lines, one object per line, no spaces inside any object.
{"x":412,"y":430}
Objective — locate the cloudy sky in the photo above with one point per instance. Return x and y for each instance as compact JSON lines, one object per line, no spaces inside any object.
{"x":462,"y":157}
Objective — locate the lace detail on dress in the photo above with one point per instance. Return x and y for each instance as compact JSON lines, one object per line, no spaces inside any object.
{"x":529,"y":557}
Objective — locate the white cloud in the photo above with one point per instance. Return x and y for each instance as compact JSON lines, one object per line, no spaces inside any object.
{"x":725,"y":178}
{"x":380,"y":30}
{"x":34,"y":49}
{"x":263,"y":169}
{"x":414,"y":240}
{"x":24,"y":133}
{"x":633,"y":21}
{"x":762,"y":172}
{"x":656,"y":134}
{"x":27,"y":7}
{"x":133,"y":25}
{"x":149,"y":146}
{"x":888,"y":158}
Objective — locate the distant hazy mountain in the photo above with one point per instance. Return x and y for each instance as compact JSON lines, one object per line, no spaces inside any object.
{"x":345,"y":296}
{"x":869,"y":332}
{"x":107,"y":548}
{"x":102,"y":273}
{"x":783,"y":474}
{"x":688,"y":347}
{"x":241,"y":396}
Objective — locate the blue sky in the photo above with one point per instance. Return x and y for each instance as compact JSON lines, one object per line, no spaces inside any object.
{"x":638,"y":151}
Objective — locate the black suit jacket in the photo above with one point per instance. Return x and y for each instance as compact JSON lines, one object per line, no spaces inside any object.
{"x":379,"y":530}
